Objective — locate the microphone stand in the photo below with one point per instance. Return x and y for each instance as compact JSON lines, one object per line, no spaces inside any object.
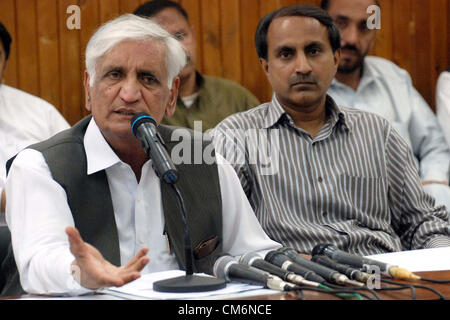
{"x":188,"y":282}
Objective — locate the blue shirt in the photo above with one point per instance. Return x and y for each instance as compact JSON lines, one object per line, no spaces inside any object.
{"x":387,"y":90}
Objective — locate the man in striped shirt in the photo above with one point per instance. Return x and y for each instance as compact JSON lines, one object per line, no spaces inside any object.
{"x":316,"y":172}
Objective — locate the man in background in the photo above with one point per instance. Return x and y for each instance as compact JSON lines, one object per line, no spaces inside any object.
{"x":24,"y":119}
{"x":334,"y":174}
{"x":201,"y":97}
{"x":443,"y":102}
{"x":377,"y":85}
{"x":89,"y":199}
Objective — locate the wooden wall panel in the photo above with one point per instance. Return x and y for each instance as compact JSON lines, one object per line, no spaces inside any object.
{"x":71,"y":60}
{"x":210,"y":37}
{"x":230,"y":40}
{"x":193,"y":10}
{"x":47,"y":59}
{"x":27,"y":48}
{"x":90,"y":20}
{"x":48,"y":42}
{"x":253,"y":77}
{"x":8,"y":18}
{"x":384,"y":41}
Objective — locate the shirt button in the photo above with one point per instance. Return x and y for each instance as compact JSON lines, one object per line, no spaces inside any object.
{"x":324,"y":213}
{"x":320,"y":179}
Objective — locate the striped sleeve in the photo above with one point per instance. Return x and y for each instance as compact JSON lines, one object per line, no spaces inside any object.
{"x":229,"y":143}
{"x":415,"y":219}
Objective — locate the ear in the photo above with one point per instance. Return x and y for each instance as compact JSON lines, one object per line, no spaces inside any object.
{"x":264,"y":65}
{"x":337,"y":57}
{"x":172,"y":104}
{"x":87,"y":91}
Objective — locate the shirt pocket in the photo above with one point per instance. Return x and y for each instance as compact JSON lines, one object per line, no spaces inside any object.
{"x":365,"y":199}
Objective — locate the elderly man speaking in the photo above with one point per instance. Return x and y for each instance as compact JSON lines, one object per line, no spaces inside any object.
{"x":88,"y":199}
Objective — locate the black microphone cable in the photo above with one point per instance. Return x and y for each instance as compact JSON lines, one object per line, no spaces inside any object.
{"x":356,"y":290}
{"x":400,"y":286}
{"x":393,"y":271}
{"x":441,"y":281}
{"x":439,"y":294}
{"x":341,"y":292}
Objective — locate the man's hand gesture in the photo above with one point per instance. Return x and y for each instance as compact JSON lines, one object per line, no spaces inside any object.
{"x":95,"y":271}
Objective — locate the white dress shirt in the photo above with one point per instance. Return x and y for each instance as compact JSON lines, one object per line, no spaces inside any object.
{"x":443,"y":103}
{"x":37,"y":213}
{"x":24,"y":120}
{"x":387,"y":90}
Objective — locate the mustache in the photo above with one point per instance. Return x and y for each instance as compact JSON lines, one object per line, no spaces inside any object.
{"x":352,"y":48}
{"x":300,"y":77}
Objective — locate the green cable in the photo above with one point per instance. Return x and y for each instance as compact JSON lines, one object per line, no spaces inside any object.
{"x":342,"y":295}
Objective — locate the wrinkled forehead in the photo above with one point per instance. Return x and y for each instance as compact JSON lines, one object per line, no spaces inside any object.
{"x":135,"y":53}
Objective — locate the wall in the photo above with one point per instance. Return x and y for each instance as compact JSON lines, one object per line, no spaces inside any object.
{"x":47,"y":58}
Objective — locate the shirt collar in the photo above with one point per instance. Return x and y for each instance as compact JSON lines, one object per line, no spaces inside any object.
{"x":369,"y":75}
{"x":99,"y":154}
{"x":337,"y":115}
{"x":277,"y":114}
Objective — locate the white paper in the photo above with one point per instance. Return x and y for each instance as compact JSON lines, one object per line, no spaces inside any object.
{"x":143,"y":288}
{"x":434,"y":259}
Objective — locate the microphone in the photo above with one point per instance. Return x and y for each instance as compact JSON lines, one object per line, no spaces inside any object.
{"x":144,"y":127}
{"x":229,"y":269}
{"x":329,"y":274}
{"x":350,"y":272}
{"x":361,"y":262}
{"x":255,"y":260}
{"x":283,"y":261}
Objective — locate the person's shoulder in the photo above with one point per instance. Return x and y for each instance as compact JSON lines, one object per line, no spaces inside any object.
{"x":249,"y":119}
{"x":24,"y":99}
{"x":444,"y":76}
{"x":225,"y":84}
{"x":363,"y":118}
{"x":385,"y":68}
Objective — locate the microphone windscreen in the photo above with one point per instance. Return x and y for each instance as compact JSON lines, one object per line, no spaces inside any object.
{"x":318,"y":249}
{"x":221,"y":266}
{"x":139,"y":118}
{"x":249,"y":257}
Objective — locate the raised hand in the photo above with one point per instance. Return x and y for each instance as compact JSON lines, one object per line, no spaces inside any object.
{"x":95,"y":272}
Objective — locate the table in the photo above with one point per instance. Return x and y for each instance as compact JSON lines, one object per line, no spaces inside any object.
{"x":421,"y":294}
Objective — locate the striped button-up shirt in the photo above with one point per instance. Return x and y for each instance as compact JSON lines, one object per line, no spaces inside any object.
{"x":355,"y":184}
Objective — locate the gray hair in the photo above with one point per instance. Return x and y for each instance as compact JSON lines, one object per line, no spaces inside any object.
{"x":132,"y":27}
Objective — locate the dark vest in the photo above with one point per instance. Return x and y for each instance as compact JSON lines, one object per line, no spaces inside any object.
{"x":90,"y":202}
